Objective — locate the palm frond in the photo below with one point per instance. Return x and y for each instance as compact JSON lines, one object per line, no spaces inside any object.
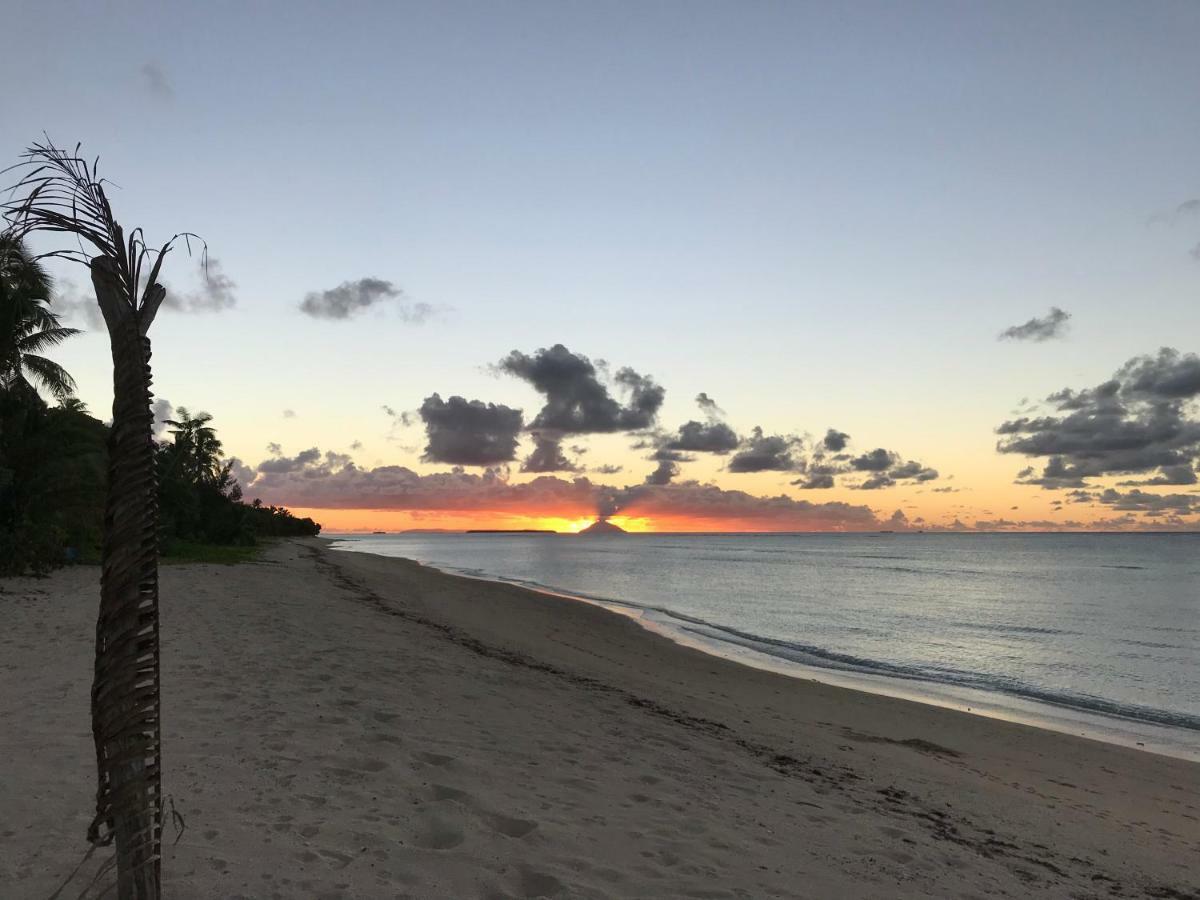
{"x":59,"y":191}
{"x":37,"y":341}
{"x":49,"y":375}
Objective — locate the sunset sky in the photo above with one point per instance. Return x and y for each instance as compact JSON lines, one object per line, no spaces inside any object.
{"x":884,"y":235}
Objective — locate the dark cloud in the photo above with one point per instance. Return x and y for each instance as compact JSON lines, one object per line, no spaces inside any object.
{"x":912,"y":470}
{"x":1141,"y":420}
{"x":353,"y":297}
{"x":547,"y":455}
{"x":275,"y":448}
{"x":766,"y":453}
{"x":469,"y":432}
{"x":607,"y":469}
{"x":835,"y":441}
{"x":877,"y":460}
{"x":242,"y":473}
{"x":1172,"y":475}
{"x":818,"y":478}
{"x":709,"y":405}
{"x":156,"y":81}
{"x":282,"y":465}
{"x":704,"y":437}
{"x":663,"y":473}
{"x":577,"y":401}
{"x":1051,"y":325}
{"x":1150,"y":504}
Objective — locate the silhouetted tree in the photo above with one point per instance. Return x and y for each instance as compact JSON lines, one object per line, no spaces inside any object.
{"x":60,"y":192}
{"x":28,"y":327}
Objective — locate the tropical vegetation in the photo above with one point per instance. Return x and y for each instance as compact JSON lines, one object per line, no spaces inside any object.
{"x":54,"y":454}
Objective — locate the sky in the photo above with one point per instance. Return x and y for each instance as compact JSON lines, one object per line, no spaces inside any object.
{"x":819,"y":217}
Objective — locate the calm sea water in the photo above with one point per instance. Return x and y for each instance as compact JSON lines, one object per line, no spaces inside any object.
{"x":1093,"y":634}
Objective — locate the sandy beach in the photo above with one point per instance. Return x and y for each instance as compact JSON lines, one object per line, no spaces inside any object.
{"x":346,"y":725}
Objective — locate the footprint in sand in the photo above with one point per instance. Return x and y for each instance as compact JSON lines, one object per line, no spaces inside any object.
{"x":439,"y":834}
{"x":508,"y":825}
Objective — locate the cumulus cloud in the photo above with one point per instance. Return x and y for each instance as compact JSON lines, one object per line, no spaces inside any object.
{"x":877,"y":460}
{"x":547,"y":454}
{"x":1044,"y":328}
{"x":281,"y":465}
{"x":1140,"y":421}
{"x":154,"y":77}
{"x":163,"y":412}
{"x":469,"y":432}
{"x":1150,"y":504}
{"x":704,"y":437}
{"x":766,"y":453}
{"x":577,"y":400}
{"x":835,"y":441}
{"x":353,"y":297}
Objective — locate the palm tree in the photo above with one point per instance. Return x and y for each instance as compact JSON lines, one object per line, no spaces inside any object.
{"x":28,"y":327}
{"x":196,"y":454}
{"x":59,"y":192}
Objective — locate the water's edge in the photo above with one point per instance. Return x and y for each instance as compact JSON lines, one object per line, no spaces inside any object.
{"x":1146,"y":729}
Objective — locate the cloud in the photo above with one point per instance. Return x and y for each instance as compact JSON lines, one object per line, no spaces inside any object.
{"x":156,"y":81}
{"x":215,"y":293}
{"x":469,"y":432}
{"x":704,"y":437}
{"x":577,"y":401}
{"x":547,"y":455}
{"x":76,"y":306}
{"x":163,"y":411}
{"x":877,"y":460}
{"x":818,"y":478}
{"x":289,"y":414}
{"x":709,"y":405}
{"x":766,"y":453}
{"x":1051,"y":325}
{"x":1141,"y":420}
{"x":835,"y":441}
{"x":281,"y":465}
{"x":330,"y":482}
{"x":1150,"y":504}
{"x":353,"y":297}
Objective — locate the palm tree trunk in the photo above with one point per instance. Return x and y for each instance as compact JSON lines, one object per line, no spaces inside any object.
{"x":125,"y":689}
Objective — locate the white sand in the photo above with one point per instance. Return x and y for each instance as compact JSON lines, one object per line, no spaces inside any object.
{"x":341,"y":725}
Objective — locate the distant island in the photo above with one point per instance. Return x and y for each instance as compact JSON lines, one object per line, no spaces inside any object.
{"x":511,"y":531}
{"x":603,"y":526}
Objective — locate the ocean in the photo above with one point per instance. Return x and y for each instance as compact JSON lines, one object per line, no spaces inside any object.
{"x":1095,"y":634}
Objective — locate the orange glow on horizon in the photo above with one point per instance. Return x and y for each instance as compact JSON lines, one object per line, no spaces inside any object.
{"x":338,"y":521}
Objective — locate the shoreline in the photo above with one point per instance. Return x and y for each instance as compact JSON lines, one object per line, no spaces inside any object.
{"x":350,"y":725}
{"x":1133,"y":733}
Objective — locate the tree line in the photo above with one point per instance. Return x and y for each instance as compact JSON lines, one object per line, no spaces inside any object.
{"x":54,"y":453}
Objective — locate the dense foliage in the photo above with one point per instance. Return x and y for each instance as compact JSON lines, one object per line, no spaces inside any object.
{"x":54,"y":458}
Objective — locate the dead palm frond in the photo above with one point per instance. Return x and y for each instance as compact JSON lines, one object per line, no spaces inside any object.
{"x":59,"y":192}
